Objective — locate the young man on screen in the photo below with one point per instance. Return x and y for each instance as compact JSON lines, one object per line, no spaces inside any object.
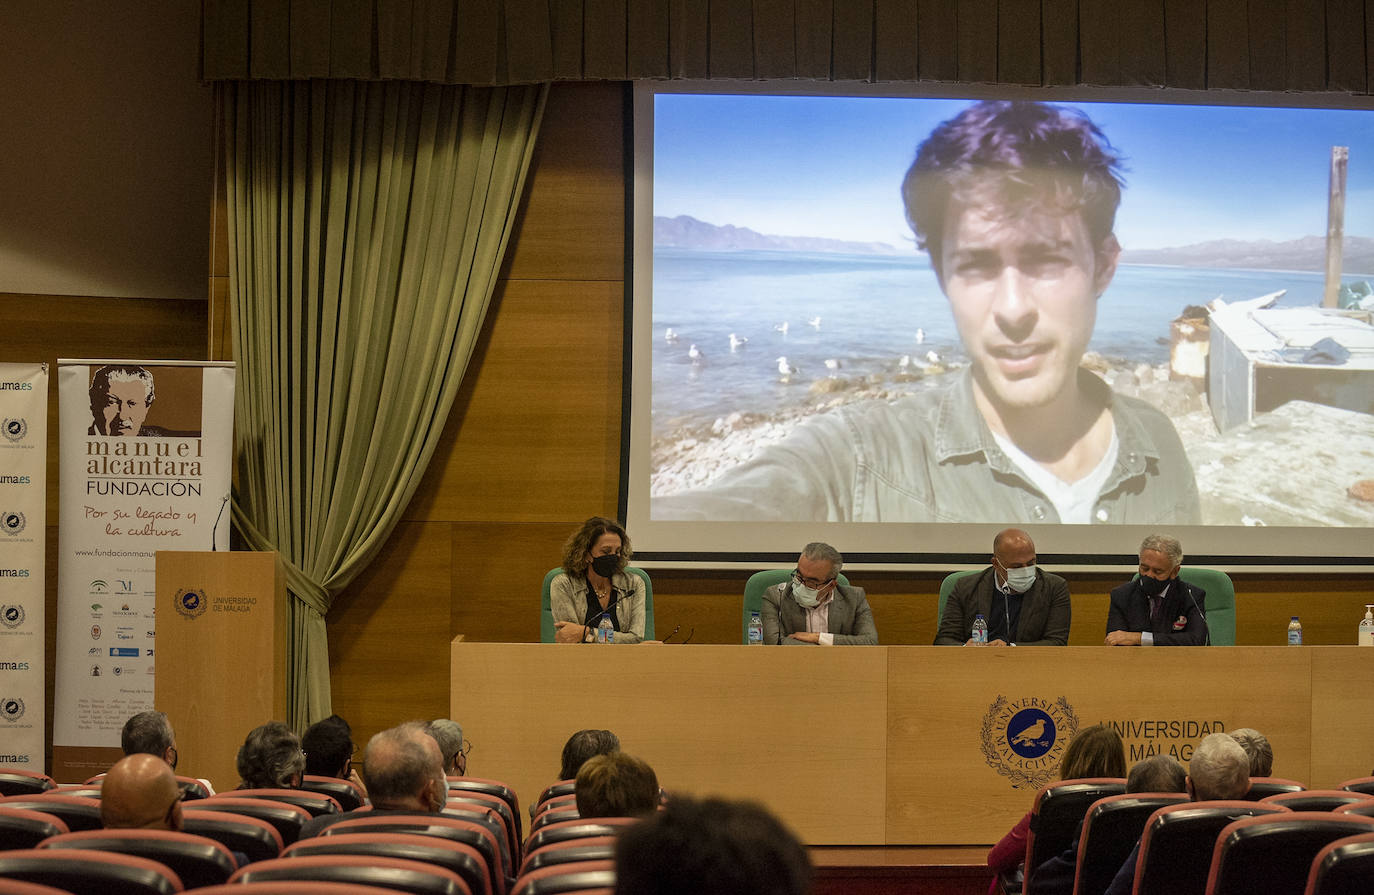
{"x":1015,"y":202}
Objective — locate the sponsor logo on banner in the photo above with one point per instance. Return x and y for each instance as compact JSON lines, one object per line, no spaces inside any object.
{"x":99,"y":586}
{"x":95,"y":671}
{"x":7,"y":665}
{"x":11,"y":616}
{"x":14,"y":429}
{"x":190,"y":603}
{"x":12,"y":522}
{"x":14,"y":573}
{"x":1024,"y":739}
{"x":94,"y":651}
{"x":123,"y":652}
{"x":6,"y":479}
{"x":8,"y":386}
{"x":95,"y":632}
{"x":11,"y":708}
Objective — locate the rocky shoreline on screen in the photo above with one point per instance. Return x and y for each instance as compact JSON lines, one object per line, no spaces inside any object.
{"x":1299,"y":464}
{"x":690,"y":457}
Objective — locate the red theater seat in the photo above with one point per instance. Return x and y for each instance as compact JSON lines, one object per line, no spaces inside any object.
{"x":1274,"y":854}
{"x":89,"y":872}
{"x":196,"y":860}
{"x":394,"y":873}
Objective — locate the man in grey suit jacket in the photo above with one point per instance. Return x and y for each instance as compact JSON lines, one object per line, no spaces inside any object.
{"x":1022,"y":605}
{"x":813,"y":608}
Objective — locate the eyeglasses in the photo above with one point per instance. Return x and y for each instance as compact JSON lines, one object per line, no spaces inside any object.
{"x":816,"y":583}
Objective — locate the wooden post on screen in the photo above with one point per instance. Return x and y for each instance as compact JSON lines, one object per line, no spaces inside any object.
{"x":221,"y":653}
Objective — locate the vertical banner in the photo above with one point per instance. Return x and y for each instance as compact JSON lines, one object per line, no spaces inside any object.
{"x":23,"y":488}
{"x":145,"y":461}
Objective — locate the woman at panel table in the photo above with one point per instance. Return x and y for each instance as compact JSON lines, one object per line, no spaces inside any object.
{"x":1095,"y":751}
{"x":594,"y":583}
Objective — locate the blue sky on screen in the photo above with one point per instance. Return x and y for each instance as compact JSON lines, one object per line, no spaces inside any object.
{"x":831,"y":166}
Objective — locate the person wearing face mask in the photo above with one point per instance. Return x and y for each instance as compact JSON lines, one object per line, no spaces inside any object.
{"x":594,"y":583}
{"x":1157,"y":608}
{"x":1022,"y":604}
{"x":813,"y":608}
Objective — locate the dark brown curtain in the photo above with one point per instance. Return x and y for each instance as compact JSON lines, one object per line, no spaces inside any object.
{"x":1292,"y":45}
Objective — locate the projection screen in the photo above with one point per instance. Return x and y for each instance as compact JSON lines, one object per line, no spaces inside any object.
{"x":1092,"y":365}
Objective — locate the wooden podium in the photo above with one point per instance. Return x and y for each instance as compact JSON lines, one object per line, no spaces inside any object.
{"x":221,"y":653}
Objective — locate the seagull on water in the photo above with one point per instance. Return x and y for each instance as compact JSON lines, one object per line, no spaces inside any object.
{"x":920,"y":336}
{"x":670,"y":335}
{"x":833,"y":365}
{"x":785,"y":370}
{"x":905,"y":363}
{"x":814,"y":322}
{"x":932,"y":357}
{"x":782,"y":327}
{"x":737,"y":341}
{"x":695,"y":354}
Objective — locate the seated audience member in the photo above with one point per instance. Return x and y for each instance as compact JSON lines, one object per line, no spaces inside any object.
{"x":713,"y":845}
{"x":449,"y":735}
{"x":329,"y":748}
{"x":582,"y":746}
{"x":812,"y":607}
{"x":594,"y":583}
{"x":404,"y":773}
{"x":150,"y":732}
{"x":1023,"y":605}
{"x":271,"y":758}
{"x":140,"y":793}
{"x":1158,"y":608}
{"x":1159,"y":773}
{"x":616,"y":785}
{"x":1219,"y":769}
{"x":1256,"y":745}
{"x":1095,"y":751}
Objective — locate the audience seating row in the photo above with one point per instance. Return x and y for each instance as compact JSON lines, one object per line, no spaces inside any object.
{"x":1266,"y":843}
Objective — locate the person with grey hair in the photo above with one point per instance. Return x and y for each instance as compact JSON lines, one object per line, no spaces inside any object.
{"x":271,"y":758}
{"x":404,"y":772}
{"x":812,"y":607}
{"x":452,"y":748}
{"x":150,"y":732}
{"x":1021,"y":603}
{"x":1219,"y":769}
{"x":1256,"y":745}
{"x":1157,"y":608}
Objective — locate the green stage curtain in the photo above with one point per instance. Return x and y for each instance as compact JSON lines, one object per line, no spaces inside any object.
{"x":367,"y":223}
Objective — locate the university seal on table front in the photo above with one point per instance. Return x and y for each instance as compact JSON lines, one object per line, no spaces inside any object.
{"x":1024,"y":739}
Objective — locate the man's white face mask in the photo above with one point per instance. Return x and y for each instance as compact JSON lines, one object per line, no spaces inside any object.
{"x":1020,"y":580}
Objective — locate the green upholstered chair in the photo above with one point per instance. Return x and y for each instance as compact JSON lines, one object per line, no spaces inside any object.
{"x":946,"y":587}
{"x":753,"y":594}
{"x":1221,"y":602}
{"x":546,"y":628}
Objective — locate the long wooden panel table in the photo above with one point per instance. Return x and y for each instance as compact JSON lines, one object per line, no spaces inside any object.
{"x":900,"y":745}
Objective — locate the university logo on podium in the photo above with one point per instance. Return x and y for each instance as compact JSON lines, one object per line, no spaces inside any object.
{"x":1024,"y":739}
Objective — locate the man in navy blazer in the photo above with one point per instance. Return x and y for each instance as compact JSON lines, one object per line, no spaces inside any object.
{"x":1158,"y":608}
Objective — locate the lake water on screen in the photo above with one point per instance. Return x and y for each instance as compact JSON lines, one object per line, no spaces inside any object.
{"x":871,"y":308}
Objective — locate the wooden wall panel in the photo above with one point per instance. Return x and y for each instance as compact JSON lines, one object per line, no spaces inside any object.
{"x":535,"y":432}
{"x":389,"y":634}
{"x":572,"y":220}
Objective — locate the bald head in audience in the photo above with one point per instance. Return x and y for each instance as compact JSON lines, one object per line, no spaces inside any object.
{"x":140,"y":792}
{"x":1219,"y":769}
{"x":404,"y":770}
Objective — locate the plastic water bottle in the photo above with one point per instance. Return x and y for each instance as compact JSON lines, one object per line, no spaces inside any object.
{"x":605,"y":631}
{"x":1367,"y":626}
{"x":1295,"y":632}
{"x":980,"y":629}
{"x":756,"y":629}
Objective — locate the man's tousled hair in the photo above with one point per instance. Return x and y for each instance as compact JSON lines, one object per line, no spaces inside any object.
{"x":1007,"y":157}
